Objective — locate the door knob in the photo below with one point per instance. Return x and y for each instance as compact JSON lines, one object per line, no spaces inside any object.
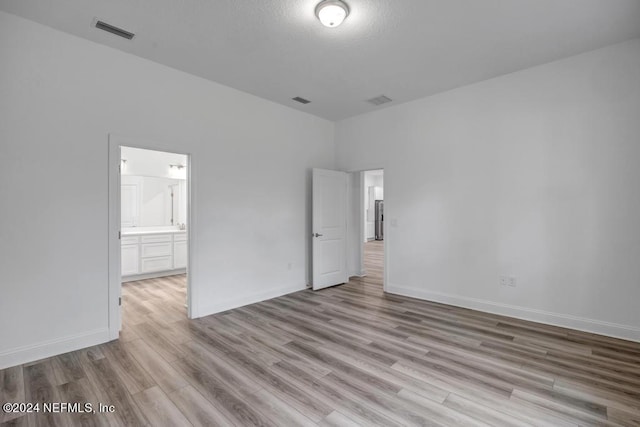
{"x":317,"y":235}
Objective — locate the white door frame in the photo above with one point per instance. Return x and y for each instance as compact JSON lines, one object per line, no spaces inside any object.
{"x":362,"y":225}
{"x":114,"y":256}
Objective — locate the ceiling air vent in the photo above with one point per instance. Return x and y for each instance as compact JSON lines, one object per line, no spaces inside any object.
{"x":114,"y":30}
{"x":301,"y":100}
{"x":379,"y":100}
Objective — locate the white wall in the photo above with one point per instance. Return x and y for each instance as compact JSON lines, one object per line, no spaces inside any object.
{"x":534,"y":174}
{"x":153,"y":163}
{"x":60,"y":97}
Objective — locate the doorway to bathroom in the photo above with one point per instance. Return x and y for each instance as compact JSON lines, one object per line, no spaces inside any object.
{"x":149,"y":260}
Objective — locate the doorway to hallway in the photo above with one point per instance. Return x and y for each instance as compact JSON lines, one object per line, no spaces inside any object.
{"x":368,"y":214}
{"x":355,"y":244}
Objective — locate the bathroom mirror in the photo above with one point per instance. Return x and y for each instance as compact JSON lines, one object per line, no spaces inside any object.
{"x":152,"y":201}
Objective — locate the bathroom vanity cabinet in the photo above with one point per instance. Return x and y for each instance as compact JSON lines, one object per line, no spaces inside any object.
{"x":147,"y":254}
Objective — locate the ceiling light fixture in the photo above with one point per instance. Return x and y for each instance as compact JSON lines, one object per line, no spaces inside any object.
{"x":331,"y":13}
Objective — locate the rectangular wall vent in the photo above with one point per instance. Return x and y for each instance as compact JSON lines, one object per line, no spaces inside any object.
{"x":379,"y":100}
{"x":114,"y":30}
{"x":301,"y":100}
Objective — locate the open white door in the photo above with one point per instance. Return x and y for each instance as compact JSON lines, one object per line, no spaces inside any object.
{"x":329,"y":232}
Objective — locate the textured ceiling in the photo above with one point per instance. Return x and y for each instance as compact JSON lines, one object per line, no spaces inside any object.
{"x":407,"y":49}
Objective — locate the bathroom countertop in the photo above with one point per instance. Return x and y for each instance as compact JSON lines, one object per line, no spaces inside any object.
{"x":144,"y":232}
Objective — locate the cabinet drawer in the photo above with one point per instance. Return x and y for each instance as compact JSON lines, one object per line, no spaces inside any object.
{"x":149,"y":265}
{"x":129,"y":240}
{"x":180,"y":237}
{"x":155,"y":249}
{"x":156,"y":238}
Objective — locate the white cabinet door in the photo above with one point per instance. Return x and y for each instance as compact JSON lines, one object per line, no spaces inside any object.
{"x":179,"y":254}
{"x":130,"y":260}
{"x":149,"y":250}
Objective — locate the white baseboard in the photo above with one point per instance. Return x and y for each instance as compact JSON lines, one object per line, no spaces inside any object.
{"x":358,"y":274}
{"x":156,"y":275}
{"x":246,"y":300}
{"x":30,"y":353}
{"x":614,"y":330}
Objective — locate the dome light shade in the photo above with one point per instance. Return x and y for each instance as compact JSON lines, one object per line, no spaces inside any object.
{"x":331,"y":13}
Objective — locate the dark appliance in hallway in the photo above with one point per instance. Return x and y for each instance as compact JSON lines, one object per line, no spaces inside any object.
{"x":379,"y":219}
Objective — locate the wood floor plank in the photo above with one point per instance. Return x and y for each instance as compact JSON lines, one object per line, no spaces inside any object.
{"x":471,"y":377}
{"x":20,"y":421}
{"x":509,"y":377}
{"x":439,"y":414}
{"x":451,"y":383}
{"x":623,"y":418}
{"x":40,"y":388}
{"x":174,"y":332}
{"x":538,"y":417}
{"x":337,"y":365}
{"x":225,"y":371}
{"x":88,"y":355}
{"x":111,"y":391}
{"x":276,"y":384}
{"x":332,"y":397}
{"x":197,"y":409}
{"x":283,"y":353}
{"x":483,"y":413}
{"x":157,"y":368}
{"x":337,"y":419}
{"x":239,"y":343}
{"x":158,"y":342}
{"x":220,"y":395}
{"x":387,"y":373}
{"x":258,"y":329}
{"x":159,"y":409}
{"x":11,"y":390}
{"x":80,"y":392}
{"x":587,"y":413}
{"x":387,"y":404}
{"x":598,"y":396}
{"x":67,"y":368}
{"x":131,"y":374}
{"x":278,"y":411}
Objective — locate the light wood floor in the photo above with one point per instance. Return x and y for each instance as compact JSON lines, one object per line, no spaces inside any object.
{"x":347,"y":355}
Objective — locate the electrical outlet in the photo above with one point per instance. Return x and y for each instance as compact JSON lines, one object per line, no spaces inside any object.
{"x":512,"y":281}
{"x":504,"y":281}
